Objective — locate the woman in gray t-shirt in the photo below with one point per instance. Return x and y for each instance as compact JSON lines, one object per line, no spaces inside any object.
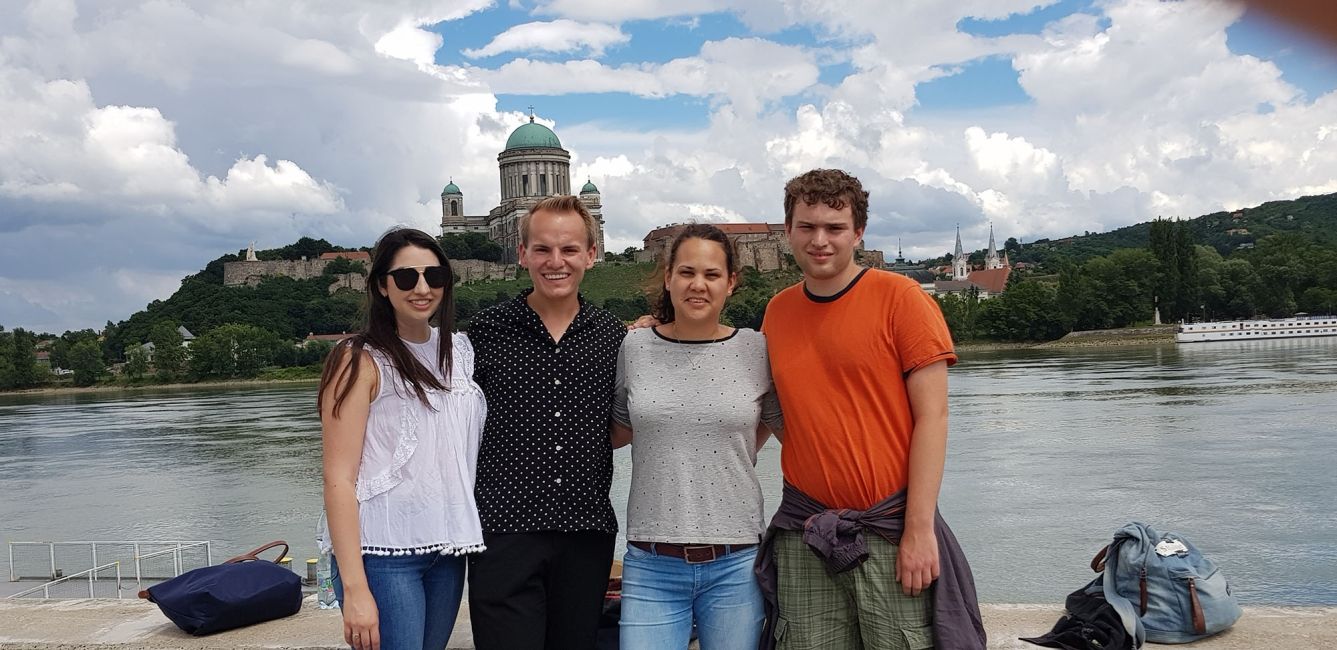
{"x":697,"y":396}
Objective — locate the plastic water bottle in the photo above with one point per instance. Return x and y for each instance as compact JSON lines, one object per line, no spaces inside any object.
{"x":325,"y":583}
{"x":324,"y":569}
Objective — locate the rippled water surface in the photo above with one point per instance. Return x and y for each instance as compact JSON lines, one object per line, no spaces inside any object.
{"x":1231,"y":444}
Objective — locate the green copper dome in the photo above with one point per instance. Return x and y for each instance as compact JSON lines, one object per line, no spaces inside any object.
{"x":452,"y":189}
{"x":589,"y":188}
{"x":532,"y":135}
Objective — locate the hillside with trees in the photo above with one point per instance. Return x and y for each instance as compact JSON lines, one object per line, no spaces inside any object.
{"x":1275,"y":260}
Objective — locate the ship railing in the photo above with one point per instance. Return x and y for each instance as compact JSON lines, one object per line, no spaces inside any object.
{"x":152,"y":560}
{"x":92,"y":576}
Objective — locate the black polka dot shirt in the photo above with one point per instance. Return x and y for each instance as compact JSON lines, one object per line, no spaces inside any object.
{"x":545,"y":463}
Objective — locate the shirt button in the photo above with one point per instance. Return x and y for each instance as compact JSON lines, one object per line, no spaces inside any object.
{"x":559,"y":447}
{"x":559,"y":481}
{"x":558,"y":414}
{"x":559,"y":349}
{"x":557,"y":382}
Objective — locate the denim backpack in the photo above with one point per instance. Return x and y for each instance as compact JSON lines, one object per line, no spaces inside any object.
{"x":1163,"y":588}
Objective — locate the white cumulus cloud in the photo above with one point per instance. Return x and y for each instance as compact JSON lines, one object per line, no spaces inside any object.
{"x":553,"y":36}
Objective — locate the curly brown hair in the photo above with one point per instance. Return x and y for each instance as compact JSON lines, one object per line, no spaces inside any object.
{"x":833,"y":187}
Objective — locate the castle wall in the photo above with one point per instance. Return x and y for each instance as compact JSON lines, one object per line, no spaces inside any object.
{"x":871,"y":258}
{"x":351,"y":281}
{"x":762,"y":254}
{"x":250,"y":273}
{"x":478,"y":270}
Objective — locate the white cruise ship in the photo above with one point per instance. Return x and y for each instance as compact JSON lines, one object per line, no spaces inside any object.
{"x":1240,"y":330}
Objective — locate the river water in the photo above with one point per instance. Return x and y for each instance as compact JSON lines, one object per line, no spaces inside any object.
{"x":1230,"y":444}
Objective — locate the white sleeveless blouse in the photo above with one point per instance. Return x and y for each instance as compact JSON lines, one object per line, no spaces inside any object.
{"x":415,"y":485}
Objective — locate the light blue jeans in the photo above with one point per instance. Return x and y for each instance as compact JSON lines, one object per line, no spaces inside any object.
{"x":662,"y":595}
{"x":417,"y":597}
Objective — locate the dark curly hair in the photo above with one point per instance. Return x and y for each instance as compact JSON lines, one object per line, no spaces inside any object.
{"x":662,"y":305}
{"x":833,"y":187}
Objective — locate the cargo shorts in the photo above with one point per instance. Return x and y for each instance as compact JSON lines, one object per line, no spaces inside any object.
{"x":863,"y":608}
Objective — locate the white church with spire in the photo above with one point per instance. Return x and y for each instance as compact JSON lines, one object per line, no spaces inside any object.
{"x":990,"y":280}
{"x":961,"y":260}
{"x":533,"y":166}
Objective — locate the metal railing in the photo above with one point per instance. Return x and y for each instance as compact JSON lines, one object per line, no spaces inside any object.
{"x":98,"y":552}
{"x":92,"y":575}
{"x":176,"y":558}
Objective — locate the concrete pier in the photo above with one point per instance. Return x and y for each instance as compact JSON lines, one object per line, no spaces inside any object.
{"x":138,"y":625}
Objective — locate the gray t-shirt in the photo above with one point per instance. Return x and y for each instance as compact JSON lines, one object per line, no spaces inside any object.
{"x":693,"y":409}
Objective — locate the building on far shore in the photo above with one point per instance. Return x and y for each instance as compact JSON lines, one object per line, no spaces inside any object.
{"x":533,"y":166}
{"x":989,"y":281}
{"x":352,"y":256}
{"x":759,"y":245}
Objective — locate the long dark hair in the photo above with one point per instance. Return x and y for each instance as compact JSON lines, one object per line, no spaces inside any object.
{"x":662,"y":306}
{"x":381,"y":331}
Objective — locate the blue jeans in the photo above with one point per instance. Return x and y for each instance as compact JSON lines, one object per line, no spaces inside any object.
{"x":661,"y":596}
{"x":417,"y":597}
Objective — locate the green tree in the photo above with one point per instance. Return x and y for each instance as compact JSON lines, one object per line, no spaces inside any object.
{"x":169,"y":357}
{"x":1241,"y":287}
{"x":1211,"y":293}
{"x":23,"y":358}
{"x":745,"y":310}
{"x":481,"y":248}
{"x":1080,"y":305}
{"x":1284,"y":269}
{"x":6,"y":360}
{"x":304,"y":247}
{"x":1186,"y":258}
{"x":1176,"y":286}
{"x":961,"y":311}
{"x":1318,"y":300}
{"x":340,"y":265}
{"x":1026,"y":312}
{"x":112,"y":346}
{"x":233,"y":351}
{"x":1124,"y":281}
{"x":86,"y":362}
{"x":455,"y":247}
{"x":136,"y":364}
{"x":470,"y":246}
{"x":60,"y":349}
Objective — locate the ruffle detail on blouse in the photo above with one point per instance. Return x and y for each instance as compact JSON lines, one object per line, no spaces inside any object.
{"x":444,"y":549}
{"x":405,"y":445}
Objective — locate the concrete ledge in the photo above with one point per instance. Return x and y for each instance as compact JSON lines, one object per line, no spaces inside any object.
{"x":138,"y":625}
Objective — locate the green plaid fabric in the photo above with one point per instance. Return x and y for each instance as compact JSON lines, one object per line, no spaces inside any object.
{"x":861,"y":609}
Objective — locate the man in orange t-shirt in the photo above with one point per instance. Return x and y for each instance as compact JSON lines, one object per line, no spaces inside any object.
{"x":859,"y":359}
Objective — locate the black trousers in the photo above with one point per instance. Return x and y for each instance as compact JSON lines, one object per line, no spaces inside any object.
{"x":539,"y":591}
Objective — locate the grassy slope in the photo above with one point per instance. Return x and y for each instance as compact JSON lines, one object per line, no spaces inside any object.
{"x":602,"y":282}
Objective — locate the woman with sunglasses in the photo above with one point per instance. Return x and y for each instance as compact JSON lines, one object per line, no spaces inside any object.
{"x":401,"y":419}
{"x":695,"y":400}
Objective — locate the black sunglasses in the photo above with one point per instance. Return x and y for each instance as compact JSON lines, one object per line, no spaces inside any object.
{"x":407,"y":278}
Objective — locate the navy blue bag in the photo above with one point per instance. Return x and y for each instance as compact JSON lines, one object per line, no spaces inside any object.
{"x":243,"y":591}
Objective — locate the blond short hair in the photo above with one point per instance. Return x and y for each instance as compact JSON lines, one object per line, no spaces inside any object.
{"x":559,"y":204}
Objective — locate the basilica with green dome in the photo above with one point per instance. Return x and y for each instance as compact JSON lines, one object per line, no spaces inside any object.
{"x":533,"y":166}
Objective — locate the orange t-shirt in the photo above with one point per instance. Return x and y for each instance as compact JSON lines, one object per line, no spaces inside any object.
{"x":839,"y":364}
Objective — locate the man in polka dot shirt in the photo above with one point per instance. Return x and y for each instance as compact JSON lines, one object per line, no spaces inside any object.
{"x":547,"y":361}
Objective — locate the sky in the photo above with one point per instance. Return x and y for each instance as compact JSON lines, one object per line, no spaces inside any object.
{"x":141,"y":139}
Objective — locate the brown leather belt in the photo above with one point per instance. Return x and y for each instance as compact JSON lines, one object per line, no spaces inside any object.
{"x":691,"y":553}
